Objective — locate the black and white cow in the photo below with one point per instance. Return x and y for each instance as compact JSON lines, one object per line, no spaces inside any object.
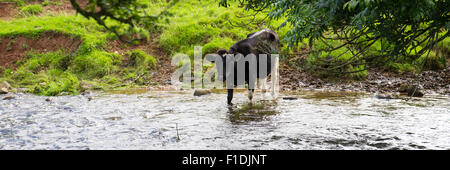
{"x":253,"y":52}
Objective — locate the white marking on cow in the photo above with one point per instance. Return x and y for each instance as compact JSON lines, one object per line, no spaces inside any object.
{"x":258,"y":33}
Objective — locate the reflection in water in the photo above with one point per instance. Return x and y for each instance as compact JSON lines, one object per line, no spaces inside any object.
{"x":140,"y":119}
{"x":255,"y":111}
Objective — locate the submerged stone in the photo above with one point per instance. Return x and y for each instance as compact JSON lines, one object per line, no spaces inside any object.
{"x":384,"y":96}
{"x":9,"y":97}
{"x":411,"y":90}
{"x":201,"y":92}
{"x":290,"y":98}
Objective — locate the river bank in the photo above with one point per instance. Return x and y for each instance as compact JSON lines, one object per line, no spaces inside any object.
{"x":55,"y":52}
{"x":377,"y":81}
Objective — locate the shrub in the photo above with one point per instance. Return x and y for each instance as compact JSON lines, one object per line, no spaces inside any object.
{"x":179,"y":36}
{"x":139,"y":66}
{"x":140,"y":60}
{"x":443,"y":47}
{"x":320,"y":63}
{"x":217,"y":44}
{"x":432,"y":62}
{"x":31,"y":10}
{"x":96,"y":64}
{"x":57,"y":81}
{"x":48,"y":2}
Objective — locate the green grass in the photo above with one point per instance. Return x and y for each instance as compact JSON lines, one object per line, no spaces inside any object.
{"x":97,"y":64}
{"x":52,"y":73}
{"x":203,"y":23}
{"x":139,"y":67}
{"x":48,"y":2}
{"x":31,"y":10}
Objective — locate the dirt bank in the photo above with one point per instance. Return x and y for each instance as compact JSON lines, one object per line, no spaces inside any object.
{"x":13,"y":49}
{"x":7,"y":10}
{"x":377,"y":81}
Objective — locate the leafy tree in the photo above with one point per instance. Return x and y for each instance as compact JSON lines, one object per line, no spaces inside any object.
{"x":402,"y":29}
{"x":131,"y":14}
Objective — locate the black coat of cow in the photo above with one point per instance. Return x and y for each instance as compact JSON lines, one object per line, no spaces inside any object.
{"x":262,"y":42}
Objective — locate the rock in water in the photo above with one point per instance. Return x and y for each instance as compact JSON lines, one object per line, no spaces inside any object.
{"x":404,"y":88}
{"x":9,"y":97}
{"x":201,"y":92}
{"x":411,"y":90}
{"x":3,"y":90}
{"x":290,"y":98}
{"x":4,"y":87}
{"x":415,"y":91}
{"x":384,"y":96}
{"x":5,"y":84}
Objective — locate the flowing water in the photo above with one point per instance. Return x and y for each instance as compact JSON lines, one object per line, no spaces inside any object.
{"x":142,"y":119}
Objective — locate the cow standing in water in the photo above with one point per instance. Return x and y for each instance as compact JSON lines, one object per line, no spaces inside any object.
{"x":255,"y":53}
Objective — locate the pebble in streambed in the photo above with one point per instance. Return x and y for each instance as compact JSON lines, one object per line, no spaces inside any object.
{"x":201,"y":92}
{"x":10,"y":97}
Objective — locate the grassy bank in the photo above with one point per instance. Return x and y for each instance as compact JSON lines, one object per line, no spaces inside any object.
{"x":89,"y":65}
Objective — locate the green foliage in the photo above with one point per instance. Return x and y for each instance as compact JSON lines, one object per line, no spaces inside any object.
{"x":431,"y":61}
{"x":57,"y":82}
{"x":209,"y":26}
{"x":139,"y":67}
{"x":443,"y":47}
{"x":186,"y":35}
{"x":333,"y":64}
{"x":55,"y":72}
{"x":32,"y":26}
{"x":96,"y":64}
{"x":45,"y":74}
{"x":49,"y":2}
{"x":402,"y":26}
{"x":400,"y":67}
{"x":216,"y":44}
{"x":131,"y":13}
{"x":205,"y":24}
{"x":31,"y":10}
{"x":141,"y":61}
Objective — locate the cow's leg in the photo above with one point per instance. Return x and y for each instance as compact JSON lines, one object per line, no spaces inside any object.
{"x":230,"y":96}
{"x":250,"y":94}
{"x":263,"y":84}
